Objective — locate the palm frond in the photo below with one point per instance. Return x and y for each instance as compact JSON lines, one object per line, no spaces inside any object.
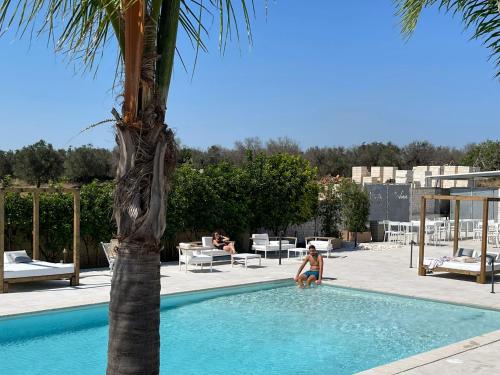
{"x":194,"y":16}
{"x":228,"y":15}
{"x":78,"y":28}
{"x":482,"y":16}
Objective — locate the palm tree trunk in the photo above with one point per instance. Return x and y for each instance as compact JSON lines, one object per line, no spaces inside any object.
{"x":134,"y":311}
{"x":146,"y":160}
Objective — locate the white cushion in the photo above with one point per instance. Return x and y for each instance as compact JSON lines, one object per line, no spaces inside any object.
{"x":320,"y":245}
{"x":36,"y":268}
{"x":207,"y":241}
{"x":246,"y":256}
{"x":260,"y":242}
{"x":266,"y":247}
{"x":9,"y":256}
{"x":475,"y":267}
{"x":285,"y":245}
{"x":260,"y":236}
{"x":215,"y":252}
{"x":200,"y":258}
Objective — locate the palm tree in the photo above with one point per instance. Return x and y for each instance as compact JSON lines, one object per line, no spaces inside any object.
{"x":146,"y":35}
{"x":481,"y":15}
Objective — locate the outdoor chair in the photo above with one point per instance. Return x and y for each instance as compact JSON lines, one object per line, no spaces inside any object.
{"x":322,"y":244}
{"x":110,"y":254}
{"x":189,"y":254}
{"x":218,"y":255}
{"x":261,"y":242}
{"x":394,"y":231}
{"x":494,"y":234}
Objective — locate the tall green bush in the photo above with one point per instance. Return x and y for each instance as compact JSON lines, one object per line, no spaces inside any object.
{"x":96,"y":224}
{"x":204,"y":200}
{"x":329,"y":210}
{"x":18,"y":221}
{"x":56,"y":224}
{"x":282,"y":189}
{"x":355,"y":204}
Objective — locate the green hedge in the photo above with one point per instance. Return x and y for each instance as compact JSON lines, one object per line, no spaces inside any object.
{"x":268,"y":191}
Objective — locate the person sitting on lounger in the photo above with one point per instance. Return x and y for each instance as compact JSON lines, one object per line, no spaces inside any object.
{"x":223,"y":243}
{"x":315,"y":273}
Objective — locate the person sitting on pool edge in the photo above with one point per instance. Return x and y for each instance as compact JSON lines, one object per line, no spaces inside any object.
{"x":315,"y":272}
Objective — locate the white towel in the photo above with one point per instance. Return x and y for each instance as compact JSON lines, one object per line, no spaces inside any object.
{"x":438,"y":262}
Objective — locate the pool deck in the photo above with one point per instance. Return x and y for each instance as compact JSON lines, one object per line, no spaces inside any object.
{"x":385,"y":269}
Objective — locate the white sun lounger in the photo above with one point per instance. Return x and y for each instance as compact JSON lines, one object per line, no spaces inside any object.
{"x":465,"y":268}
{"x":16,"y":272}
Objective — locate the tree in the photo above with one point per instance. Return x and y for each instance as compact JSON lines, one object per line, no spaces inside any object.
{"x":481,"y":15}
{"x":84,"y":164}
{"x":377,"y":153}
{"x":355,"y":204}
{"x":205,"y":200}
{"x":418,"y":153}
{"x":6,"y":161}
{"x":329,"y":210}
{"x":282,"y":145}
{"x":146,"y":35}
{"x":282,"y":190}
{"x":485,"y":155}
{"x":38,"y":163}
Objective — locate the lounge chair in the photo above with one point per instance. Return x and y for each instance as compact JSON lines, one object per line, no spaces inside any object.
{"x":189,"y":254}
{"x":323,"y":244}
{"x":465,"y":268}
{"x":218,"y":254}
{"x":264,"y":243}
{"x":19,"y":267}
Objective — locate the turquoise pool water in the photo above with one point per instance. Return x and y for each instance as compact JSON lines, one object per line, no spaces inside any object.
{"x":270,"y":329}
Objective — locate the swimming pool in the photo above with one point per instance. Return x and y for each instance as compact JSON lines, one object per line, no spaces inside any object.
{"x":260,"y":329}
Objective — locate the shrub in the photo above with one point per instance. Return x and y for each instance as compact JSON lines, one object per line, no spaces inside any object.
{"x":355,"y":206}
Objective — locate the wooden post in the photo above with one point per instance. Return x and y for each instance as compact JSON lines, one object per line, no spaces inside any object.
{"x":456,"y":231}
{"x":2,"y":237}
{"x":76,"y":237}
{"x":484,"y":242}
{"x":36,"y":226}
{"x":421,"y":239}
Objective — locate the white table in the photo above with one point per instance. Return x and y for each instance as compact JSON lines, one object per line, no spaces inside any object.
{"x":302,"y":251}
{"x":245,"y":257}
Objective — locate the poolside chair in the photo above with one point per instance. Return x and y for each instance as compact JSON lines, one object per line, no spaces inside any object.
{"x":261,"y":242}
{"x":392,"y":231}
{"x":110,"y":254}
{"x":322,"y":244}
{"x":189,"y":254}
{"x":494,"y":234}
{"x":218,"y":255}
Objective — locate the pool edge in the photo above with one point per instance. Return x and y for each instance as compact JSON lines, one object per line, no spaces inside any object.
{"x":435,"y":355}
{"x":176,"y":293}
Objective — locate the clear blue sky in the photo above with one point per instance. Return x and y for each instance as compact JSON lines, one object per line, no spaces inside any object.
{"x":329,"y":73}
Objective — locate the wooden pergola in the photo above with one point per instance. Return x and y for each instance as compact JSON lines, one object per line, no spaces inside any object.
{"x":74,"y":277}
{"x":481,"y":275}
